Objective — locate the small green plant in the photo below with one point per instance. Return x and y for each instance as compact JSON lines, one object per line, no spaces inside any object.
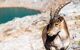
{"x":78,"y":42}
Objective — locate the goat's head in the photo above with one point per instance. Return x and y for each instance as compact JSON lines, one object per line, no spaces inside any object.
{"x":55,"y":25}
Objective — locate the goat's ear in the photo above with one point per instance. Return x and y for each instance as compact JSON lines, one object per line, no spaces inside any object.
{"x":61,"y":18}
{"x":63,"y":24}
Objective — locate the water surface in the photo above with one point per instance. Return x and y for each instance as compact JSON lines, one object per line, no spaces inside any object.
{"x":7,"y":14}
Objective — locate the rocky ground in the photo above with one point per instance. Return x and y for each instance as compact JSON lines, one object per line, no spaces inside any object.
{"x":22,"y":34}
{"x":32,"y":4}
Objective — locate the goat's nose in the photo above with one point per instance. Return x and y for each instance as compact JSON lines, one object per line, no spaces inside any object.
{"x":62,"y":48}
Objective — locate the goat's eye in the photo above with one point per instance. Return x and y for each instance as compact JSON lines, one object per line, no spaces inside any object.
{"x":56,"y":24}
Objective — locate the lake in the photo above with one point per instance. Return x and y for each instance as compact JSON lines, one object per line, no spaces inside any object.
{"x":7,"y":14}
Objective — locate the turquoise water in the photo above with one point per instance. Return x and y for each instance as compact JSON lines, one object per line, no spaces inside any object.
{"x":7,"y":14}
